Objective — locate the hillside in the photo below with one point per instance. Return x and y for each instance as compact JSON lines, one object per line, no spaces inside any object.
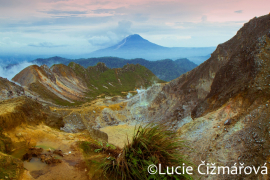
{"x":63,"y":84}
{"x":9,"y":89}
{"x":164,"y":69}
{"x":221,"y":108}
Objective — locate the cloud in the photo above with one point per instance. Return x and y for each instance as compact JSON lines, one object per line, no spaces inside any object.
{"x":204,"y":18}
{"x":239,"y":11}
{"x":45,"y":45}
{"x":86,"y":26}
{"x":109,"y":11}
{"x":9,"y":42}
{"x":55,"y":0}
{"x":113,"y":36}
{"x":13,"y":3}
{"x":124,"y":27}
{"x":57,"y":12}
{"x":99,"y":40}
{"x":10,"y":72}
{"x":139,"y":17}
{"x":71,"y":21}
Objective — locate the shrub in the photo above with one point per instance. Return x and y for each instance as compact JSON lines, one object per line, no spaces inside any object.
{"x":152,"y":144}
{"x":85,"y":146}
{"x":100,"y":147}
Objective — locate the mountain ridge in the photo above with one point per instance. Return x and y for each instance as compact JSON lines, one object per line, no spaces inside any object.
{"x":174,"y":68}
{"x":73,"y":83}
{"x":134,"y":46}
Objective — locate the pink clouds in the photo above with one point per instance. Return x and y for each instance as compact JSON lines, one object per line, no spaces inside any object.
{"x":95,"y":23}
{"x":216,"y":11}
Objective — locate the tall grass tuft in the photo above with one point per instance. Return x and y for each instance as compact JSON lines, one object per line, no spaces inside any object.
{"x":151,"y":144}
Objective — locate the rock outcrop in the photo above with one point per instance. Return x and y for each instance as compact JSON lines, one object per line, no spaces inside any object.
{"x":59,"y":82}
{"x":25,"y":110}
{"x":246,"y":69}
{"x":9,"y":89}
{"x":20,"y":110}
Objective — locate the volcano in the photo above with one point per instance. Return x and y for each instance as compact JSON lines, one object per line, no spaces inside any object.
{"x":134,"y":46}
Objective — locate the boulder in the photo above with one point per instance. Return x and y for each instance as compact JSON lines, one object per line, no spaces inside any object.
{"x":228,"y":122}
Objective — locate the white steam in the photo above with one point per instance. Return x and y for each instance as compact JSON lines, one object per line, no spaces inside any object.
{"x":10,"y":72}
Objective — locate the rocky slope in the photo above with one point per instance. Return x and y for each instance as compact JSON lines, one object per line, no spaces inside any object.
{"x":238,"y":67}
{"x":221,"y":107}
{"x":63,"y":84}
{"x":59,"y":82}
{"x":9,"y":89}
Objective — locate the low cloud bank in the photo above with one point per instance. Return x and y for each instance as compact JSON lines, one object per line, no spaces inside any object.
{"x":11,"y":71}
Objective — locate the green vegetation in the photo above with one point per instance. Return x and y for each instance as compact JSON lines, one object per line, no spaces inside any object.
{"x":85,"y":146}
{"x":102,"y":148}
{"x":152,"y":144}
{"x":102,"y":80}
{"x":95,"y":154}
{"x":10,"y":167}
{"x":166,"y":70}
{"x":5,"y":143}
{"x":99,"y":146}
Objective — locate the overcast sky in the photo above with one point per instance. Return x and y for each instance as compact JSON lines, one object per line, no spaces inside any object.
{"x":82,"y":26}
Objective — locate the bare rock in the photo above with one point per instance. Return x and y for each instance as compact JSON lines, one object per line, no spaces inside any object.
{"x":58,"y":152}
{"x":228,"y":122}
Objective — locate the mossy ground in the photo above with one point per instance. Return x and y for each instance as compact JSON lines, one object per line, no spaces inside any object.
{"x":10,"y":168}
{"x":93,"y":160}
